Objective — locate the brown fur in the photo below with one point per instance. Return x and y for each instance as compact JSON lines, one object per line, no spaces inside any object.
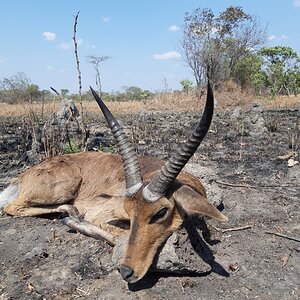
{"x":94,"y":183}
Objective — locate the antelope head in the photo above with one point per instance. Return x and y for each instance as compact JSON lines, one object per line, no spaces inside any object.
{"x":158,"y":202}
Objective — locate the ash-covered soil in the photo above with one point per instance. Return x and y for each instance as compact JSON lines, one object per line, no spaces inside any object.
{"x":239,"y":165}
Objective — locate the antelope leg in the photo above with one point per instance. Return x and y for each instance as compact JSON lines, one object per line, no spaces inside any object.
{"x":91,"y":230}
{"x":71,"y":210}
{"x":16,"y":208}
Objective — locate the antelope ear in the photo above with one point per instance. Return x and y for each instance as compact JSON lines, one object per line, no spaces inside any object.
{"x":195,"y":204}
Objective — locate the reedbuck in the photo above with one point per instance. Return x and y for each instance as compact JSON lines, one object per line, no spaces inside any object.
{"x":107,"y":195}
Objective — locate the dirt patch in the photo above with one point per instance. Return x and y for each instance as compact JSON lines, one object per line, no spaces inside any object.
{"x":42,"y":259}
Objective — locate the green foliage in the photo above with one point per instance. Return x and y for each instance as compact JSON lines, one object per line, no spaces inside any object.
{"x":282,"y":70}
{"x":131,"y":93}
{"x":72,"y":147}
{"x":85,"y":96}
{"x":248,"y":73}
{"x":64,"y":92}
{"x":278,"y":54}
{"x":186,"y":85}
{"x":33,"y":91}
{"x":136,"y":93}
{"x":107,"y":149}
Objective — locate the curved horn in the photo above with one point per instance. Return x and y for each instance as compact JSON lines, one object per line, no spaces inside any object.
{"x":132,"y":170}
{"x":159,"y":184}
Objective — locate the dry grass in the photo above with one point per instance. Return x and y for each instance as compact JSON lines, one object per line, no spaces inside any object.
{"x":163,"y":102}
{"x":177,"y":102}
{"x":282,"y":102}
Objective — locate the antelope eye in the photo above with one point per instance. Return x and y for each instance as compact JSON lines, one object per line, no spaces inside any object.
{"x":159,"y":215}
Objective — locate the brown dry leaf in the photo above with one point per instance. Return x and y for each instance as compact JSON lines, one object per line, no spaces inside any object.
{"x":292,"y":162}
{"x":53,"y":234}
{"x":286,"y":156}
{"x":285,"y":259}
{"x":234,"y":267}
{"x":29,"y":288}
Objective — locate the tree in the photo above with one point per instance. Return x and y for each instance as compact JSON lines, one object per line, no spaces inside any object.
{"x":248,"y":73}
{"x":64,"y":92}
{"x":96,"y":61}
{"x":282,"y":69}
{"x":212,"y":46}
{"x":14,"y":89}
{"x":136,"y":93}
{"x":186,"y":85}
{"x":33,"y":91}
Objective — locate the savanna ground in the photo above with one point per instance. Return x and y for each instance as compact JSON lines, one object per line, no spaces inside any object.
{"x":243,"y":163}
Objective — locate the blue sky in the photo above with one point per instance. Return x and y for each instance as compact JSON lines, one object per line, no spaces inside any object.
{"x":142,"y":38}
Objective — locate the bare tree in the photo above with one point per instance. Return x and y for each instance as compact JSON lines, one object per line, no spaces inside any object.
{"x":96,"y":60}
{"x":14,"y":89}
{"x":76,"y":56}
{"x":82,"y":121}
{"x":213,"y":45}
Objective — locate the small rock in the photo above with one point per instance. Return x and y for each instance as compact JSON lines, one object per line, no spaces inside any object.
{"x":37,"y":251}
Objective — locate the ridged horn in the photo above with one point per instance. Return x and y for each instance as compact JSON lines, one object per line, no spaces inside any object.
{"x":159,"y":184}
{"x":132,"y":170}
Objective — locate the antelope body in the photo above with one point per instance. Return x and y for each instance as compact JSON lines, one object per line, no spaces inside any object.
{"x":108,"y":195}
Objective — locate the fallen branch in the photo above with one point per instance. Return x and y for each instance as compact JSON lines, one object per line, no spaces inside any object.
{"x":244,"y":185}
{"x":283,"y":236}
{"x":278,"y":186}
{"x":236,"y":184}
{"x":234,"y":228}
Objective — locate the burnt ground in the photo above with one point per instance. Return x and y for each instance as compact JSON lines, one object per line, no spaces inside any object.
{"x":238,"y":161}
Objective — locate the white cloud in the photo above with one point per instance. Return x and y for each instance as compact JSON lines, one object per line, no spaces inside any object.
{"x":91,"y":46}
{"x":167,"y":55}
{"x":65,"y":46}
{"x":272,"y":37}
{"x":284,"y":37}
{"x":68,"y":46}
{"x":278,"y":37}
{"x":3,"y":60}
{"x":49,"y":36}
{"x":105,"y":19}
{"x":296,"y":3}
{"x":174,"y":28}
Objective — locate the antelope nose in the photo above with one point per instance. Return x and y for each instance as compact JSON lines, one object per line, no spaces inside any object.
{"x":126,"y":272}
